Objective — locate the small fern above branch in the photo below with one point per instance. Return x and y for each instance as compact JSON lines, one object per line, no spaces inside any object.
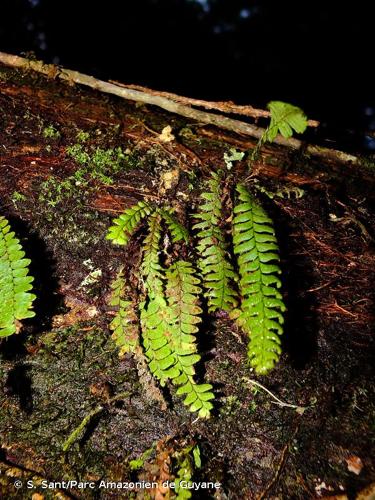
{"x":285,"y":118}
{"x":15,"y":282}
{"x":261,"y":311}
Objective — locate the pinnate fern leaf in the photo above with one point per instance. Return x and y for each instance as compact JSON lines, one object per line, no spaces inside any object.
{"x":154,"y":311}
{"x":256,"y":246}
{"x":183,"y":297}
{"x":168,"y":328}
{"x":15,"y":282}
{"x":177,"y":230}
{"x":284,"y":119}
{"x":156,"y":338}
{"x":215,"y":266}
{"x":151,"y":269}
{"x":126,"y":223}
{"x":125,"y":323}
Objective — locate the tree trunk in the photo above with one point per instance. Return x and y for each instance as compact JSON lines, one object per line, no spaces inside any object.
{"x":63,"y":179}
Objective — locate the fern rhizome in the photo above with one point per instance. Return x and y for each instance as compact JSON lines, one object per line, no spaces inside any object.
{"x":15,"y":282}
{"x":237,"y":274}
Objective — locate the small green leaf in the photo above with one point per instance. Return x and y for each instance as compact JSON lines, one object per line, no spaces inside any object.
{"x":136,"y":464}
{"x":197,"y":457}
{"x":285,"y":118}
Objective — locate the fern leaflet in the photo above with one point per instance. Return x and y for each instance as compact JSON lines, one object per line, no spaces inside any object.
{"x":15,"y":283}
{"x":155,"y":337}
{"x":126,"y":334}
{"x":215,"y":267}
{"x":284,"y":119}
{"x":177,"y":230}
{"x":127,"y":222}
{"x":185,"y":469}
{"x":256,"y":246}
{"x":151,"y":269}
{"x":125,"y":323}
{"x":153,"y":312}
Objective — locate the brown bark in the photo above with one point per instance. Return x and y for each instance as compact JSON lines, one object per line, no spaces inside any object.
{"x":61,"y":210}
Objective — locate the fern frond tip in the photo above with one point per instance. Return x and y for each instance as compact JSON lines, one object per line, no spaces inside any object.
{"x":124,"y":225}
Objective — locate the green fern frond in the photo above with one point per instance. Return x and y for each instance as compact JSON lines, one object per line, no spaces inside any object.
{"x":183,"y":297}
{"x":185,"y":470}
{"x":15,"y":283}
{"x":177,"y":230}
{"x":151,"y":269}
{"x":284,"y":119}
{"x":168,"y":328}
{"x":216,"y":269}
{"x":156,"y":338}
{"x":154,"y":314}
{"x":125,"y":323}
{"x":125,"y":225}
{"x":256,"y":246}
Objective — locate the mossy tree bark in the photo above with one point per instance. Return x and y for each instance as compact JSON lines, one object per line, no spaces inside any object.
{"x":71,"y":158}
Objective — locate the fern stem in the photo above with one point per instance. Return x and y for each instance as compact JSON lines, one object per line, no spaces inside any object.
{"x":78,"y":431}
{"x":277,"y":400}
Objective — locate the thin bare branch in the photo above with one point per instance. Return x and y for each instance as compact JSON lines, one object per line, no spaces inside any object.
{"x":227,"y":107}
{"x":203,"y":117}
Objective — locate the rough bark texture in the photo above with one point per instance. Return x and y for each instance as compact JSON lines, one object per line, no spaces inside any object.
{"x":64,"y":365}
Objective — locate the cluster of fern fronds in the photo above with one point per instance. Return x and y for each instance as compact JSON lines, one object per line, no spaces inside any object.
{"x":169,"y":312}
{"x":252,"y":298}
{"x":237,"y":272}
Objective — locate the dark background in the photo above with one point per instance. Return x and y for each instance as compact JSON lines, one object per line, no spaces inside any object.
{"x":315,"y":54}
